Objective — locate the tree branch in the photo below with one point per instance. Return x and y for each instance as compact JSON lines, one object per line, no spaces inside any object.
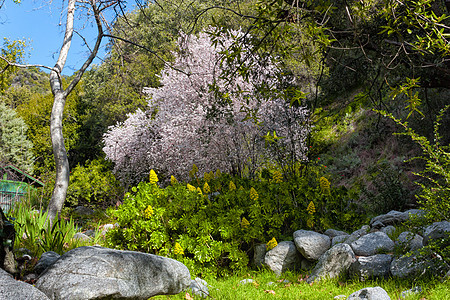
{"x":147,"y":49}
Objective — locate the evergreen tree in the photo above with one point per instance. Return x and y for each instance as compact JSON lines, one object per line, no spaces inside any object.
{"x":14,"y":146}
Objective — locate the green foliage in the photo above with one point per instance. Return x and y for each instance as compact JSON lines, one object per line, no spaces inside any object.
{"x":434,"y":197}
{"x":217,"y":227}
{"x":435,"y":194}
{"x":13,"y":52}
{"x":385,"y":190}
{"x":93,"y":184}
{"x":36,"y":114}
{"x":14,"y":146}
{"x":36,"y":234}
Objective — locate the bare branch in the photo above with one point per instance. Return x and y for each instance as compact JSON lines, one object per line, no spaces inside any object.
{"x":24,"y":65}
{"x":147,"y":49}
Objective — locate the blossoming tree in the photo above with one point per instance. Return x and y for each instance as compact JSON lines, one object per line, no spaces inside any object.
{"x":197,"y":117}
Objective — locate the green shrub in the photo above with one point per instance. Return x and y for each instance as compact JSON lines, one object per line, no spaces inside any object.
{"x":434,"y":197}
{"x":213,"y":223}
{"x":93,"y":184}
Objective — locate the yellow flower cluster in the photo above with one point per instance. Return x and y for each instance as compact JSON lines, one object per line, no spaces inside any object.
{"x":173,"y":180}
{"x":177,"y":249}
{"x":271,"y":244}
{"x":277,"y":177}
{"x":253,"y":194}
{"x":199,"y":190}
{"x":232,"y":186}
{"x":324,"y":185}
{"x":148,"y":212}
{"x":206,"y":188}
{"x":245,"y":223}
{"x":191,"y":188}
{"x":153,"y":177}
{"x":311,"y":208}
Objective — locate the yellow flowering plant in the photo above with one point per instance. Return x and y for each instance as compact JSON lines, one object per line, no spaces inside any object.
{"x":271,"y":244}
{"x":153,"y":178}
{"x":206,"y":188}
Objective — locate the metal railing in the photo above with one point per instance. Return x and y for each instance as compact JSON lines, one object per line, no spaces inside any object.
{"x":7,"y":199}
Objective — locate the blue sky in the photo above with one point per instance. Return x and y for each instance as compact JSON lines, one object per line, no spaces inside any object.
{"x":37,"y":23}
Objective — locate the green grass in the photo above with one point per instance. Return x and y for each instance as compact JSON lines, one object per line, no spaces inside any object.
{"x":297,"y":288}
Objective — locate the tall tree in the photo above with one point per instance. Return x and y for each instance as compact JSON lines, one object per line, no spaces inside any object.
{"x":95,"y":9}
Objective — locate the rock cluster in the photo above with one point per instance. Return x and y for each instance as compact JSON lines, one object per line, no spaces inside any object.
{"x":365,"y":253}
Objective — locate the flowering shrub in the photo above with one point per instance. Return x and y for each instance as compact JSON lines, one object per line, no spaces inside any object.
{"x":198,"y":117}
{"x":216,"y":231}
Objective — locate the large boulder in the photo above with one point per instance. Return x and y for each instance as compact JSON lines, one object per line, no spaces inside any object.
{"x":336,"y":260}
{"x":311,"y":244}
{"x":371,"y":266}
{"x":13,"y":289}
{"x":437,"y":230}
{"x":283,"y":257}
{"x":393,"y":217}
{"x":370,"y":293}
{"x":414,"y":265}
{"x":102,"y":273}
{"x":373,"y":243}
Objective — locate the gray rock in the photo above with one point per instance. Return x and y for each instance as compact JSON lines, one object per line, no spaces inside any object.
{"x":371,"y":266}
{"x":259,"y":255}
{"x":311,"y":244}
{"x":339,"y":239}
{"x":408,"y":241}
{"x":13,"y":289}
{"x":394,"y":217}
{"x":370,"y":293}
{"x":414,"y":291}
{"x":336,"y":260}
{"x":47,"y":259}
{"x":377,"y":225}
{"x":81,"y":236}
{"x":283,"y":257}
{"x":333,"y":232}
{"x":102,"y":273}
{"x":437,"y":230}
{"x":373,"y":243}
{"x":388,"y":229}
{"x":412,"y":266}
{"x":199,"y":287}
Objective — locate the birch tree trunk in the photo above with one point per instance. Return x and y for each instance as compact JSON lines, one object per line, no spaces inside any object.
{"x":60,"y":95}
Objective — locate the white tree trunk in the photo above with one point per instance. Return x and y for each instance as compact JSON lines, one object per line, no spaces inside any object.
{"x":60,"y":95}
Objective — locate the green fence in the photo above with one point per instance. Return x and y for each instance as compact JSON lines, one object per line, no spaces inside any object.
{"x":11,"y":192}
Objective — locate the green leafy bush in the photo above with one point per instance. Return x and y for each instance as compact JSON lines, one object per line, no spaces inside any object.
{"x":93,"y":184}
{"x":213,"y":223}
